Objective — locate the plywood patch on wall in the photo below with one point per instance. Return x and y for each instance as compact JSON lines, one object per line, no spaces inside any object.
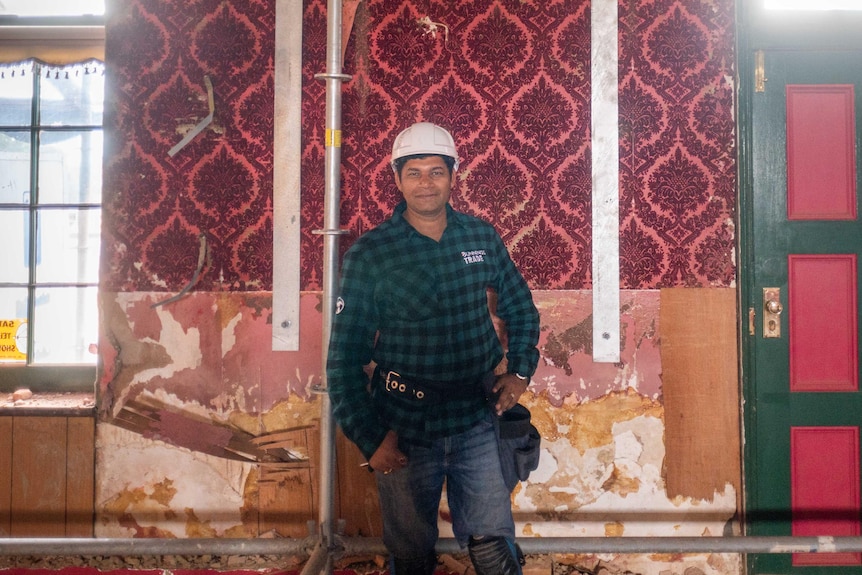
{"x":700,"y":390}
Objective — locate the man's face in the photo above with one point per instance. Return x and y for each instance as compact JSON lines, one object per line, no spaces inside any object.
{"x":426,"y":185}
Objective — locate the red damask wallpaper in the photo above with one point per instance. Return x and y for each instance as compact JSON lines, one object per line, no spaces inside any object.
{"x":509,"y":78}
{"x":157,"y":54}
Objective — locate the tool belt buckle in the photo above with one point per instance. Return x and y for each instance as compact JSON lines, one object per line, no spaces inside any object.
{"x":393,"y":382}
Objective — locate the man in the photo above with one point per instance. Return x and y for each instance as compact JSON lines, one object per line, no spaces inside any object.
{"x":414,"y":302}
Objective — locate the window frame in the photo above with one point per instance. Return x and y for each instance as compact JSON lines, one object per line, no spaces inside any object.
{"x":762,"y":28}
{"x":55,"y":41}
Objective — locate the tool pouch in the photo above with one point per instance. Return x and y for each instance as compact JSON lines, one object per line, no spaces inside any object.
{"x":518,"y":438}
{"x":519,"y":445}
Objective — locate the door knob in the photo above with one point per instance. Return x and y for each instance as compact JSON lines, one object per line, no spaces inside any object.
{"x":772,"y":309}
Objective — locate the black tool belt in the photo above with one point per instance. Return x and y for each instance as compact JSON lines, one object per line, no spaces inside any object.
{"x":425,"y":390}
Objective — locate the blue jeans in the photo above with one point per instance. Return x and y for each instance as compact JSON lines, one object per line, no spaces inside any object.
{"x":478,"y":497}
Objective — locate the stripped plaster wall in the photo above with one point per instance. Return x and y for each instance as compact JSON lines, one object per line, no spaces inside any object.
{"x":185,"y":388}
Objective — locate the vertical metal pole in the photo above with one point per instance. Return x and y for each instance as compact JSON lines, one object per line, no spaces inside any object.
{"x":330,"y":232}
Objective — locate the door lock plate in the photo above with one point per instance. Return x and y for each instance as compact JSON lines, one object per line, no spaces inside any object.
{"x":772,"y":309}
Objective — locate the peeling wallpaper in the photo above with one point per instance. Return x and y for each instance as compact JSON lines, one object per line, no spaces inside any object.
{"x":567,"y":371}
{"x":602,"y":425}
{"x":205,"y":350}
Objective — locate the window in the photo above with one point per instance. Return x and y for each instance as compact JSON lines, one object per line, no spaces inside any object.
{"x":50,"y":200}
{"x":51,"y":141}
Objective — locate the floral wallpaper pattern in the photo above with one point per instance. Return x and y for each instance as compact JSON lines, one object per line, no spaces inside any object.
{"x":220,"y":185}
{"x":509,"y":78}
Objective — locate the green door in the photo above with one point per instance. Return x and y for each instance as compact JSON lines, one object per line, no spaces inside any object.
{"x":801,"y":294}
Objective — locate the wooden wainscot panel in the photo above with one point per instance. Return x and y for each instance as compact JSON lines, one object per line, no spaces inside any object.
{"x":5,"y":476}
{"x":39,"y":477}
{"x":357,"y":497}
{"x":80,"y":477}
{"x":288,"y":487}
{"x":47,"y":476}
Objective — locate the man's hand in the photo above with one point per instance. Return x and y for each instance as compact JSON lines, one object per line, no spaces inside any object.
{"x":388,"y":458}
{"x":509,"y":388}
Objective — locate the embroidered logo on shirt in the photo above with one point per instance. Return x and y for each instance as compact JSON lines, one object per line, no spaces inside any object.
{"x":339,"y":306}
{"x":473,"y":257}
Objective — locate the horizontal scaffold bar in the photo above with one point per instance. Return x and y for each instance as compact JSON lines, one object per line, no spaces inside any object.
{"x":348,"y":546}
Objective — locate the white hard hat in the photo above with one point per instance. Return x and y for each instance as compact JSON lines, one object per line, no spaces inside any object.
{"x":424,"y":138}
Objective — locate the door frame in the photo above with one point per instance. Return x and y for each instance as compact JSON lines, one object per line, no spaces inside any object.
{"x":758,"y":29}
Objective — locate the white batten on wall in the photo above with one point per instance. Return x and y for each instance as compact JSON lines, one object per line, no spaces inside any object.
{"x":605,"y":177}
{"x":287,"y":155}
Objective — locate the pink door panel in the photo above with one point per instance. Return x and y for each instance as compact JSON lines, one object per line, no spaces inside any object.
{"x":821,"y":159}
{"x":825,"y":488}
{"x":822,"y":296}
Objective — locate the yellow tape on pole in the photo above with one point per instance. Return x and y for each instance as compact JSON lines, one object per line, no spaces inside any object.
{"x":333,"y":138}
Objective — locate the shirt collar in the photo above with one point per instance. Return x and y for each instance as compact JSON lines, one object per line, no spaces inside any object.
{"x":452,"y":217}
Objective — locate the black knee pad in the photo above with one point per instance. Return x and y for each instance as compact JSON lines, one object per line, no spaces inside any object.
{"x":495,"y":556}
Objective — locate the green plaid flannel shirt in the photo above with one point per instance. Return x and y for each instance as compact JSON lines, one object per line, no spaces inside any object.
{"x":420,"y":308}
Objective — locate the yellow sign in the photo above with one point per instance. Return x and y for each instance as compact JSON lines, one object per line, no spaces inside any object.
{"x":13,"y":339}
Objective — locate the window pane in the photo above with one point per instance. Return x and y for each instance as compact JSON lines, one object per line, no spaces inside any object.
{"x":65,"y":325}
{"x":13,"y":257}
{"x":70,"y":167}
{"x":68,"y":246}
{"x":14,"y":167}
{"x":13,"y":325}
{"x":16,"y":94}
{"x":73,"y":95}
